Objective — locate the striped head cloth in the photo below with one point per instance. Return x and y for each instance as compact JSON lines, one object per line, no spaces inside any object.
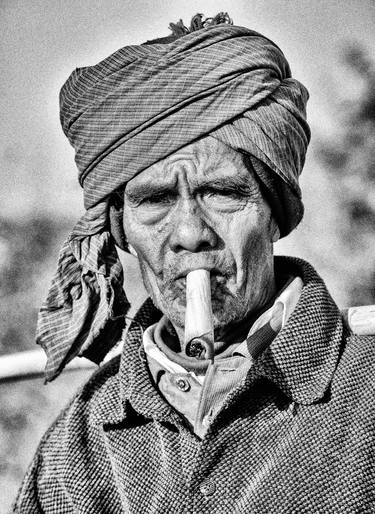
{"x":138,"y":106}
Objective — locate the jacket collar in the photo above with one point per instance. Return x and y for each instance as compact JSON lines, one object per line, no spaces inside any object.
{"x":132,"y":389}
{"x":303,"y":357}
{"x":301,"y":360}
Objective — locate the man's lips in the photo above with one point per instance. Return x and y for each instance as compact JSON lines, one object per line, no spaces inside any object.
{"x":214,"y":272}
{"x":216,"y":277}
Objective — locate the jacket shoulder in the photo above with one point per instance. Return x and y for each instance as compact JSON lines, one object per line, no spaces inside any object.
{"x":85,"y":409}
{"x":356,"y":365}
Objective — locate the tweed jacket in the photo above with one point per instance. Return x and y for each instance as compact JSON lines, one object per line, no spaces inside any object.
{"x":296,"y":436}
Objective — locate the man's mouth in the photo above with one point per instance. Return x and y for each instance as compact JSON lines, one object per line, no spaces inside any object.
{"x":214,"y":272}
{"x":218,"y":280}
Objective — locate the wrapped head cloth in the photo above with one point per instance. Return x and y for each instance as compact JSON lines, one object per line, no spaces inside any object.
{"x":135,"y":108}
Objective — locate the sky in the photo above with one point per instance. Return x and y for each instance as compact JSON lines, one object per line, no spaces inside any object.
{"x":44,"y":41}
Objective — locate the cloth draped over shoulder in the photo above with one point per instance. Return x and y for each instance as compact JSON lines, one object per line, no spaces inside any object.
{"x":132,"y":110}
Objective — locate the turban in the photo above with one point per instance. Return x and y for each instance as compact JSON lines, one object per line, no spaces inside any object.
{"x":135,"y":108}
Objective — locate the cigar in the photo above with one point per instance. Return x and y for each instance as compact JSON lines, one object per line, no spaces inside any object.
{"x":199,"y":330}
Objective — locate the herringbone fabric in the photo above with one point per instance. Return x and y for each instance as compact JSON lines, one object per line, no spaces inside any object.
{"x":296,"y":436}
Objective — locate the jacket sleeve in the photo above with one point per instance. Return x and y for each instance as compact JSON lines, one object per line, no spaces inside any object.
{"x":41,"y":491}
{"x":28,"y":495}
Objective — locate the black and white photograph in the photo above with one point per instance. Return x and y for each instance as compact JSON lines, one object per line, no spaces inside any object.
{"x":187,"y":257}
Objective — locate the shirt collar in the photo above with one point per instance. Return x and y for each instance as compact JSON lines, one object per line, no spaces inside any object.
{"x":286,"y":301}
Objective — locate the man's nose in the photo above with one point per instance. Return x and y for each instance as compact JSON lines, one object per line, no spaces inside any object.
{"x":190,"y":231}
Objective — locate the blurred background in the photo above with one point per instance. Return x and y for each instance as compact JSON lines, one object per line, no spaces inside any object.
{"x":330,"y":46}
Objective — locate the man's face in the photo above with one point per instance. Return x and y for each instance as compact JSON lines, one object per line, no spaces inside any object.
{"x":202,"y":208}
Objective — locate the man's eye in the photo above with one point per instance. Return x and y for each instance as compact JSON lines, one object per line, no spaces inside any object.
{"x":224,"y":193}
{"x":224,"y":199}
{"x":158,"y":199}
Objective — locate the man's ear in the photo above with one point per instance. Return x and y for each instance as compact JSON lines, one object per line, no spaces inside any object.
{"x":129,"y":247}
{"x":275,"y":231}
{"x":116,"y":215}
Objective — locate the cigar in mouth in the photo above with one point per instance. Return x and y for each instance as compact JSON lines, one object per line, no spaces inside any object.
{"x":199,"y":330}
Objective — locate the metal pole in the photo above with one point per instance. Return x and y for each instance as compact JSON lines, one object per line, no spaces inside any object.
{"x":30,"y":364}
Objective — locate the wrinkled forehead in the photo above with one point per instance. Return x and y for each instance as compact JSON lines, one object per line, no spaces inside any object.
{"x":204,"y":160}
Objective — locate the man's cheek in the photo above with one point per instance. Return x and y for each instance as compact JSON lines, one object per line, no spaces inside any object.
{"x":250,"y":258}
{"x":148,"y":254}
{"x":149,"y":278}
{"x":241,"y":250}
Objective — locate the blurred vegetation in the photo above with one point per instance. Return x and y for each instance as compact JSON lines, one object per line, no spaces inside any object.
{"x":28,"y":251}
{"x":26,"y":247}
{"x":349,"y":159}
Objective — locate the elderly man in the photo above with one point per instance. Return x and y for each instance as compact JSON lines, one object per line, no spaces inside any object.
{"x":189,"y":150}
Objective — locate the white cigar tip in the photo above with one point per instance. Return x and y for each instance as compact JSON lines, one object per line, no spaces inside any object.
{"x":198,"y":274}
{"x":198,"y":316}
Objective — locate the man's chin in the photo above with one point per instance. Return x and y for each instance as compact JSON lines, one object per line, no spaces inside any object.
{"x":225,"y":315}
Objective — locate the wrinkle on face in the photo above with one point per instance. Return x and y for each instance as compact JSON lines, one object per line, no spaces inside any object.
{"x":201,"y":207}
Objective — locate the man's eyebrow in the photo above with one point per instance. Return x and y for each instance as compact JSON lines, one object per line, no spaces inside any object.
{"x":231,"y":181}
{"x":140,"y":191}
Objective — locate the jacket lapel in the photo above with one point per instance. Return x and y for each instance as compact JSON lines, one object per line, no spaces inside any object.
{"x":303,"y":357}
